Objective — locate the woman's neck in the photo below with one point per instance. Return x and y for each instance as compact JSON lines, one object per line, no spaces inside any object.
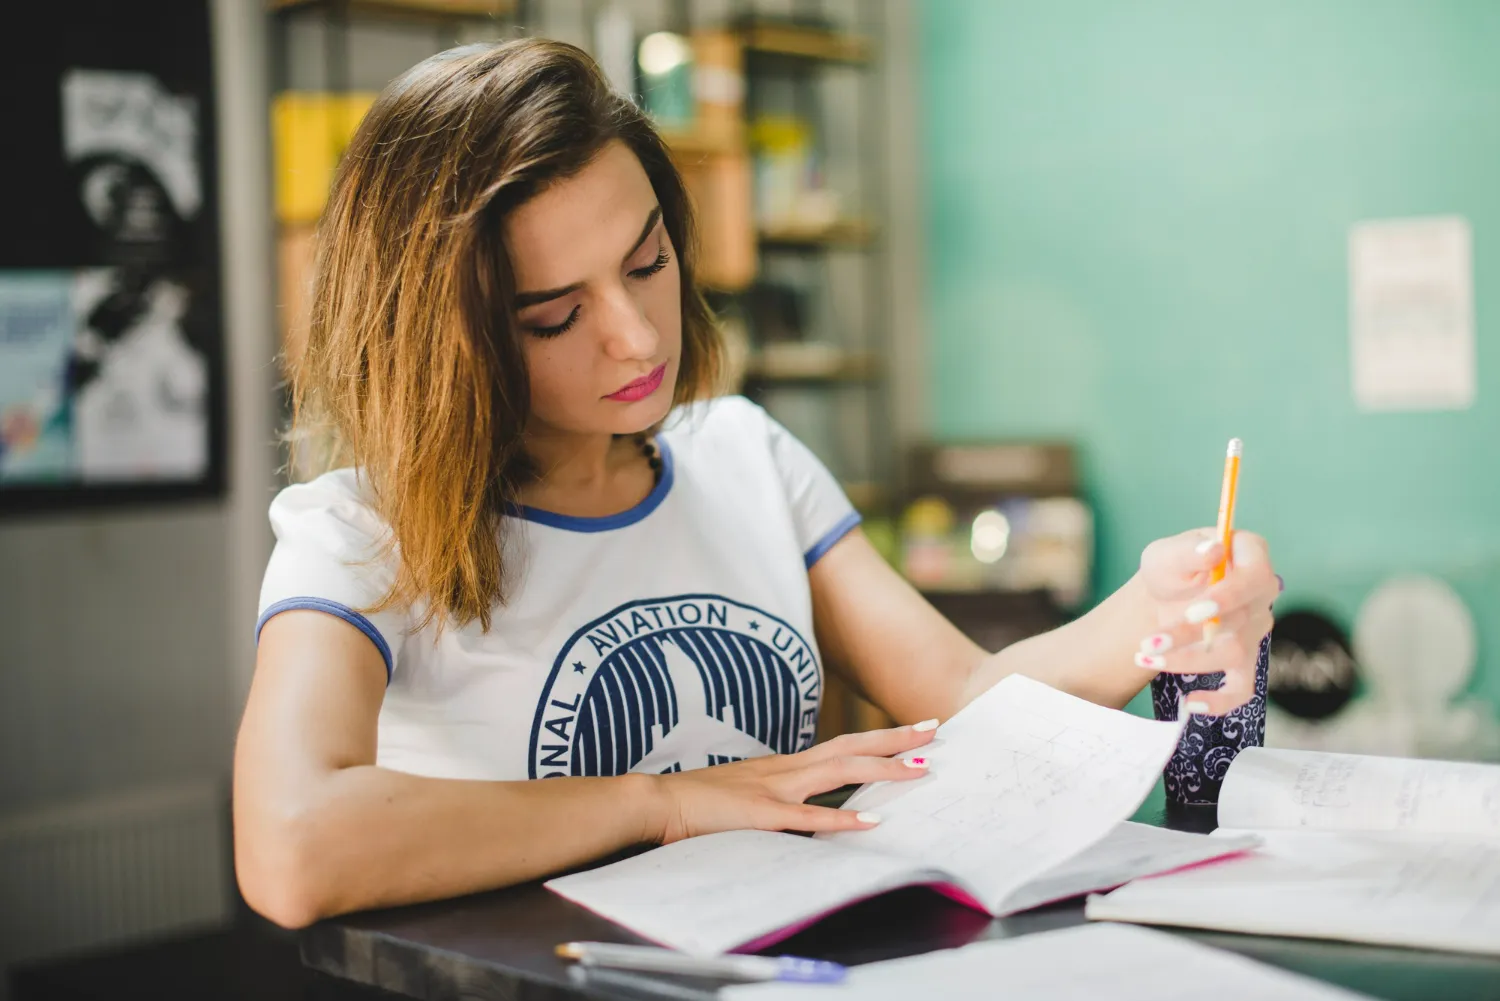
{"x":586,"y":476}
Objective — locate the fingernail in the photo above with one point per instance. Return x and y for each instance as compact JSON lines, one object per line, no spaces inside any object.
{"x":1159,"y":643}
{"x":1196,"y":707}
{"x":1201,"y":611}
{"x":1280,"y":584}
{"x":1206,"y":545}
{"x":865,"y":817}
{"x":916,"y":762}
{"x":1150,"y":661}
{"x":925,"y":725}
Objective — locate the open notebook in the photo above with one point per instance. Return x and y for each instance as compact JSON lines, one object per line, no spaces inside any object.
{"x":1023,"y":805}
{"x":1385,"y":850}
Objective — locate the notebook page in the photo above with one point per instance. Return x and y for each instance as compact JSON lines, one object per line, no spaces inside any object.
{"x":1074,"y":964}
{"x":1272,"y":787}
{"x":1422,"y":892}
{"x":1023,"y":778}
{"x":710,"y":894}
{"x":1125,"y":853}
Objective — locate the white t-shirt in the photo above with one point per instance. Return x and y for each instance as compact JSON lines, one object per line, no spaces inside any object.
{"x":674,"y":635}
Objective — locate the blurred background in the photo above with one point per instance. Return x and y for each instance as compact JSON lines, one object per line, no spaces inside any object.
{"x":1016,"y":271}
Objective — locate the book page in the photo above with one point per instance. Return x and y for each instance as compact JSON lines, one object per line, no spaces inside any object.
{"x":1073,"y":964}
{"x":1422,"y":892}
{"x":1129,"y":851}
{"x":1021,"y":779}
{"x":1271,"y":787}
{"x":714,"y":893}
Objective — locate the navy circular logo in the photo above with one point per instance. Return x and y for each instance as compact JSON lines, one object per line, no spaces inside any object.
{"x":667,"y":684}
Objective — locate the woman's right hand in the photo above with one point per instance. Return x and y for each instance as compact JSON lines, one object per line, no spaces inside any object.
{"x":770,"y":793}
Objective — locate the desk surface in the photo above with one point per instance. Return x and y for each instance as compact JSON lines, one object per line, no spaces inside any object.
{"x":499,"y":945}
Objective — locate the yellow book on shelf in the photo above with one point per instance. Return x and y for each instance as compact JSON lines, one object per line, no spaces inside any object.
{"x":309,"y":132}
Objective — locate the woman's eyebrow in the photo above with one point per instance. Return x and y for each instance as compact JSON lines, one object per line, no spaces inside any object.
{"x":524,"y":299}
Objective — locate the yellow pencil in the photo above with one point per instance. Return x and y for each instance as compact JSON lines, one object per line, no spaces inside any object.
{"x":1227,"y":495}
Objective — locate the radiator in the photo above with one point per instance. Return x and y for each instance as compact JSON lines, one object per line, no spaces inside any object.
{"x":106,"y":870}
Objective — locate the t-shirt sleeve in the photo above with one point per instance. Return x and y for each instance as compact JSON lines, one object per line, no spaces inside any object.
{"x":327,"y":558}
{"x":821,"y":513}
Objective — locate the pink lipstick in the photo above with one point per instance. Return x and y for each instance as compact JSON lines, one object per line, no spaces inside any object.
{"x":640,"y":388}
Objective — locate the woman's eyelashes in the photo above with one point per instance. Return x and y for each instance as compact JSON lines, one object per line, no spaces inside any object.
{"x":560,"y":328}
{"x":653,"y":267}
{"x":639,"y":273}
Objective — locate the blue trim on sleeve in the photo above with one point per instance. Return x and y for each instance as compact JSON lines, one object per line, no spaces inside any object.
{"x":337,"y":610}
{"x":572,"y":523}
{"x":830,"y":539}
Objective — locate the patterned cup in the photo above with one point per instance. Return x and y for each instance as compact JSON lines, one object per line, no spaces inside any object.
{"x":1210,"y":743}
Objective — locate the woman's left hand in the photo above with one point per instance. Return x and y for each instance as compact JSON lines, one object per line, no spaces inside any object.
{"x":1175,"y":573}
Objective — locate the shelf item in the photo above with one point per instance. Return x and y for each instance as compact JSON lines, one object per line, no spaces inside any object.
{"x":850,"y":233}
{"x":309,"y":132}
{"x":801,"y":41}
{"x":810,"y":362}
{"x":422,"y":8}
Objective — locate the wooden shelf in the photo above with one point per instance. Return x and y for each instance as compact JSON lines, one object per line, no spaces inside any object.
{"x":779,"y":38}
{"x":417,"y":8}
{"x":700,"y":142}
{"x":803,"y":363}
{"x":850,"y":233}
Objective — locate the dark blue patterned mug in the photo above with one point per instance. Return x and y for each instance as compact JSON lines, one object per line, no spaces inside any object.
{"x":1210,"y":743}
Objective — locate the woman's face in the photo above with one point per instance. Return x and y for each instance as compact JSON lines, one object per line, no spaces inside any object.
{"x":599,"y":302}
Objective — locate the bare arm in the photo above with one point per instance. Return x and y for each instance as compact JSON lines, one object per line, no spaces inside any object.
{"x":320,"y":829}
{"x":894,"y":647}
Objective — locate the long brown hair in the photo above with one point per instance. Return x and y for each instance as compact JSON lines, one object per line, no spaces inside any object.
{"x":412,"y":368}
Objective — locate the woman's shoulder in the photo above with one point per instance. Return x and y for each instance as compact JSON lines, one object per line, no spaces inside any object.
{"x":339,"y":501}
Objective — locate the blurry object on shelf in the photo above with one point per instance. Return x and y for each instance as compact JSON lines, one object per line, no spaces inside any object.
{"x":719,"y":88}
{"x":867,"y":496}
{"x":788,"y":192}
{"x":309,"y":133}
{"x":804,"y":40}
{"x":719,"y":187}
{"x":1312,"y":671}
{"x":997,"y":517}
{"x":821,"y":231}
{"x":665,"y":59}
{"x":792,"y":361}
{"x":883,"y":536}
{"x":996,"y":619}
{"x":295,"y":250}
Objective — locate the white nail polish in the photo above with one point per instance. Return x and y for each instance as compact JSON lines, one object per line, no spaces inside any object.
{"x":915,"y":762}
{"x":1201,"y":611}
{"x":925,"y":725}
{"x":1205,"y":546}
{"x":1195,"y":708}
{"x":1150,"y":661}
{"x":865,"y":817}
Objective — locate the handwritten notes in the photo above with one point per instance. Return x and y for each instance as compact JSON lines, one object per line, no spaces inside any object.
{"x":1268,"y":788}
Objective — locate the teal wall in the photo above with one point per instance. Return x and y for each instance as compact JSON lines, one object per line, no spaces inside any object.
{"x":1138,"y":224}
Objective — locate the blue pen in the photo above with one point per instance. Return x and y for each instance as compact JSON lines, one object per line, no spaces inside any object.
{"x":656,"y":960}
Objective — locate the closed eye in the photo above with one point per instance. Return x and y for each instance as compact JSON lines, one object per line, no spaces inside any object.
{"x":561,"y":328}
{"x":653,"y":267}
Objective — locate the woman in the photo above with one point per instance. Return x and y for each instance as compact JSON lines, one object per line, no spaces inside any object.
{"x":543,"y":552}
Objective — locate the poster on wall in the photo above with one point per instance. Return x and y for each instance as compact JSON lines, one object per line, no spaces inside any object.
{"x":111,"y":347}
{"x":1411,"y":314}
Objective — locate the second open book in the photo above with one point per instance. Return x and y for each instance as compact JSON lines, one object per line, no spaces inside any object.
{"x":1024,"y":804}
{"x":1392,"y":851}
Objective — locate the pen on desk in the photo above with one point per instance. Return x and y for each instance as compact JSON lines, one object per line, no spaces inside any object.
{"x":1225,"y":532}
{"x":656,"y":960}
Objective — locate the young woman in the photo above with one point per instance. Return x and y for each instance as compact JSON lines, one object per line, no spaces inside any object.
{"x":543,"y":551}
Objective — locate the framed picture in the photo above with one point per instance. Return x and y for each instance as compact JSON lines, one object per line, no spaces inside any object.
{"x":111,"y":338}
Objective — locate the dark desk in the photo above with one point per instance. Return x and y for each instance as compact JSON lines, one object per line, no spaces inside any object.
{"x":499,"y":945}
